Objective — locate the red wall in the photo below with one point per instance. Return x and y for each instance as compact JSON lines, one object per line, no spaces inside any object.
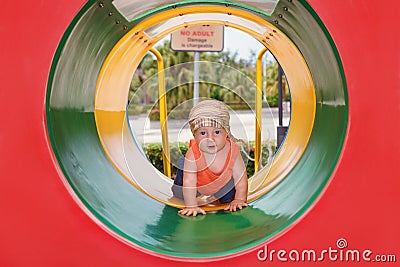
{"x":42,"y":225}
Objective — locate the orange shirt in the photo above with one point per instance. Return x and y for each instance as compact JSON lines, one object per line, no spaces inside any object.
{"x":209,"y":183}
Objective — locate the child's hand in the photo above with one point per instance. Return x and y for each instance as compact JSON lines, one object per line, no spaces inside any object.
{"x":192,"y":211}
{"x":236,"y":204}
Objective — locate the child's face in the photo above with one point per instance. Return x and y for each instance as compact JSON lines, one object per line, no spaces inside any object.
{"x":210,"y":139}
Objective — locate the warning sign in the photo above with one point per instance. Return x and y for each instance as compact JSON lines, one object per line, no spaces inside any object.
{"x":199,"y":38}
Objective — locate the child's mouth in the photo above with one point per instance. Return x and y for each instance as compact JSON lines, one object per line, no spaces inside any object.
{"x":211,"y":148}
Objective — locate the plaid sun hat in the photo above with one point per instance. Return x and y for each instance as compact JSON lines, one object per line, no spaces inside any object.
{"x":205,"y":122}
{"x":209,"y":113}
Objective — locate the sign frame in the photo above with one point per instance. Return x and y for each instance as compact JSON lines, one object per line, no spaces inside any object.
{"x":187,"y":38}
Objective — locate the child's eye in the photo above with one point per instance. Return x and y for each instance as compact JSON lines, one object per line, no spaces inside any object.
{"x":202,"y":133}
{"x":217,"y":132}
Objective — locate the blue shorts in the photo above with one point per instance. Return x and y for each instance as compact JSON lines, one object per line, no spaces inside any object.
{"x":225,"y":195}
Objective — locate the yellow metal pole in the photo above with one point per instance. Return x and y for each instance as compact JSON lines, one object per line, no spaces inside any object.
{"x":259,"y":84}
{"x":163,"y":113}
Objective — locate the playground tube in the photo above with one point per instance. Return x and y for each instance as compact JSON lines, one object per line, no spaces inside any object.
{"x":66,"y":200}
{"x":87,"y":123}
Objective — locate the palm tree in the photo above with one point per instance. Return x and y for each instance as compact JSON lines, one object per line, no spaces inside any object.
{"x":231,"y":80}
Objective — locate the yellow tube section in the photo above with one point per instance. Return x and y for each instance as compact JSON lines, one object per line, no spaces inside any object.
{"x":120,"y":65}
{"x":162,"y":94}
{"x":259,"y":87}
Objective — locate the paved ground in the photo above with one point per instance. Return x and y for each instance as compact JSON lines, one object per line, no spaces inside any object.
{"x":242,"y":126}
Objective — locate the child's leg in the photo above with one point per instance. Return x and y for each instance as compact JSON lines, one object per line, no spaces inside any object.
{"x":178,"y":182}
{"x":227,"y":193}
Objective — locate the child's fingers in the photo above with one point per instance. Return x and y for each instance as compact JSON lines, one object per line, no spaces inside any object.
{"x":182,"y":212}
{"x":236,"y":206}
{"x":230,"y":207}
{"x":193,"y":212}
{"x":242,"y":205}
{"x":198,"y":211}
{"x":185,"y":212}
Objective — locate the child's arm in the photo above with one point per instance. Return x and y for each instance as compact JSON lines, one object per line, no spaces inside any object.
{"x":240,"y":178}
{"x":190,"y":187}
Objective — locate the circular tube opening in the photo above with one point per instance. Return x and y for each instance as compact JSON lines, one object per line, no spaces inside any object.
{"x":117,"y":72}
{"x":88,"y":127}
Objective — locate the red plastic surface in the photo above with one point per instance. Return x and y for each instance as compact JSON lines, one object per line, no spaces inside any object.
{"x":42,"y":225}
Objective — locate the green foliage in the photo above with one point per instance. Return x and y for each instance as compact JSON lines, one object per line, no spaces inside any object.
{"x":267,"y":147}
{"x":233,"y":91}
{"x":273,"y":100}
{"x":271,"y":87}
{"x":154,"y":154}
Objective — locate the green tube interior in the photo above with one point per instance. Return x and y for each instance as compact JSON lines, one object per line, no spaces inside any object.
{"x":141,"y":219}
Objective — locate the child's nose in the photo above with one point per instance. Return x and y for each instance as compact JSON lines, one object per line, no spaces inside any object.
{"x":211,"y":139}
